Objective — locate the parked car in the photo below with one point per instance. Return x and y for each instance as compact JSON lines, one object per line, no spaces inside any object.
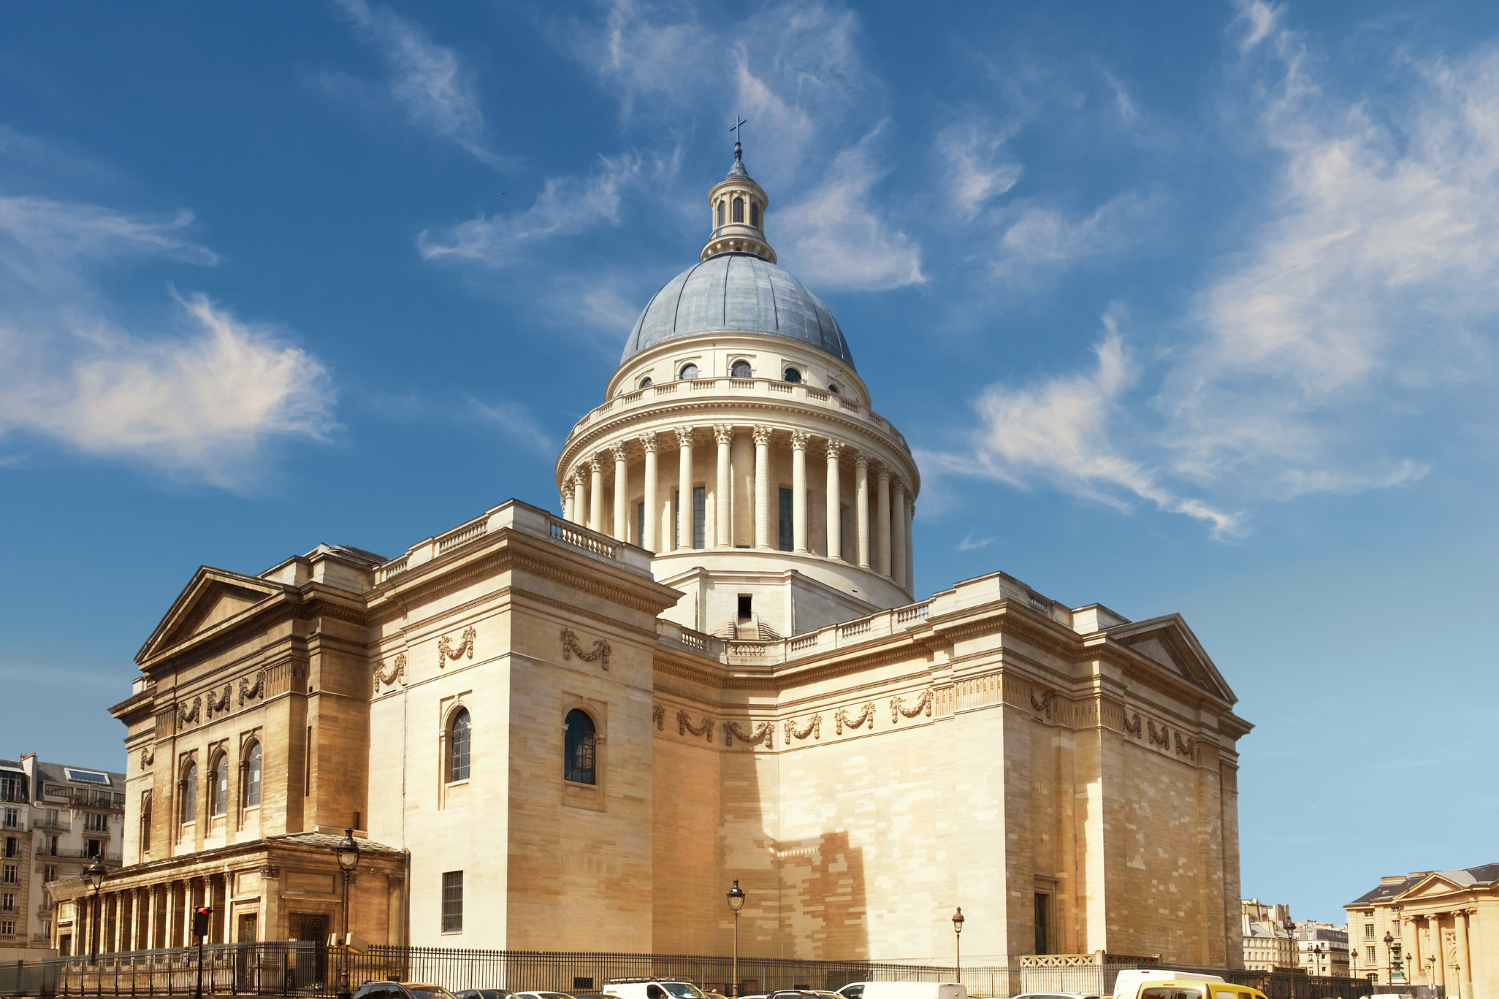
{"x":652,"y":988}
{"x":484,"y":994}
{"x":543,"y":995}
{"x":903,"y":990}
{"x":402,"y":990}
{"x":1167,"y":984}
{"x":1047,"y":995}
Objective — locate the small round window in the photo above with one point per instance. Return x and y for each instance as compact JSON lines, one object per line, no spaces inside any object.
{"x":793,"y":375}
{"x":688,"y":371}
{"x":741,"y":369}
{"x":833,"y":388}
{"x":646,"y":382}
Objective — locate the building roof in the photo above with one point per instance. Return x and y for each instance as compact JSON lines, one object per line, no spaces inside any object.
{"x":737,"y":293}
{"x":1468,"y":876}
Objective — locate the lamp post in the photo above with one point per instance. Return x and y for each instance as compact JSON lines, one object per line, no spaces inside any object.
{"x":95,"y":875}
{"x":348,"y":859}
{"x":1389,"y":971}
{"x":1431,"y":976}
{"x":736,"y":902}
{"x":1316,"y":959}
{"x":957,"y":936}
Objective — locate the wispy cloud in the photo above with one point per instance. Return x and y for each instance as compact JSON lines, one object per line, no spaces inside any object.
{"x":566,"y":206}
{"x":968,"y":544}
{"x":427,"y":79}
{"x":1037,"y":237}
{"x":977,"y":169}
{"x":199,"y":398}
{"x":516,"y":421}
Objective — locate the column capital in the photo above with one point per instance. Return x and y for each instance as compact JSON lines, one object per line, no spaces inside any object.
{"x":580,"y":476}
{"x":684,"y":436}
{"x":621,"y":451}
{"x":799,"y":439}
{"x":885,"y":474}
{"x":834,"y":448}
{"x":762,"y":435}
{"x":898,"y":484}
{"x":649,"y":442}
{"x":595,"y":463}
{"x":723,"y":433}
{"x":861,"y":459}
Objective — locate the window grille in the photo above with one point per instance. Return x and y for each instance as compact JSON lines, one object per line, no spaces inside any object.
{"x":785,"y":532}
{"x":252,"y":777}
{"x":699,"y":516}
{"x":741,"y":369}
{"x":452,"y":902}
{"x":738,"y":209}
{"x":458,"y":751}
{"x":754,"y":215}
{"x":219,"y":790}
{"x":190,"y":793}
{"x":580,"y":763}
{"x":720,"y":212}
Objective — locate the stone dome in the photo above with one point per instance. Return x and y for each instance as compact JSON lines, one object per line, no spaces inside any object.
{"x":740,"y":293}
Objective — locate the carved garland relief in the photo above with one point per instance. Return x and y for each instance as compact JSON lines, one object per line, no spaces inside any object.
{"x":186,"y":715}
{"x":397,"y":670}
{"x":247,"y":692}
{"x":148,"y":757}
{"x":842,"y":718}
{"x":447,"y":650}
{"x":684,"y":726}
{"x":658,"y":714}
{"x":219,"y":702}
{"x":814,"y":728}
{"x":571,"y":647}
{"x":764,"y":733}
{"x":898,"y":707}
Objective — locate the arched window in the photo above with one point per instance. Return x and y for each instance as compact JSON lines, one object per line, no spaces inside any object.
{"x":720,"y":212}
{"x":793,"y":375}
{"x":833,"y":387}
{"x":646,"y":382}
{"x":580,"y":759}
{"x":755,"y":214}
{"x":252,"y":777}
{"x":689,"y":371}
{"x":218,"y":792}
{"x":190,"y":793}
{"x":458,"y":746}
{"x":738,"y":209}
{"x":741,"y":369}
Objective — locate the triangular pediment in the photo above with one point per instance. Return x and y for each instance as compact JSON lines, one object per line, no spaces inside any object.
{"x":1430,"y":886}
{"x":1170,"y":644}
{"x":211,"y":598}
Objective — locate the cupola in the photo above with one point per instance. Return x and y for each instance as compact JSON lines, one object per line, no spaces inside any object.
{"x":738,"y":207}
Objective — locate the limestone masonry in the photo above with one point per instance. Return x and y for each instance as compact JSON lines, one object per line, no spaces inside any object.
{"x":573,"y":732}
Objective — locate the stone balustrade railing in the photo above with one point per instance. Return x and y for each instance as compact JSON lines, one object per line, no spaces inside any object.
{"x":696,"y":387}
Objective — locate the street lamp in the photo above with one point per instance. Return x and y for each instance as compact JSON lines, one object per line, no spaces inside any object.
{"x":1316,"y":959}
{"x":1389,"y":974}
{"x":95,"y":874}
{"x":736,"y":902}
{"x":348,"y":859}
{"x":957,"y":936}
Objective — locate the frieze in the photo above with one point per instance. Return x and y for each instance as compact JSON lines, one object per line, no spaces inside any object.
{"x":898,"y":707}
{"x":396,"y":671}
{"x":248,"y":692}
{"x":841,"y":718}
{"x":764,"y":733}
{"x":685,"y":726}
{"x":1044,"y":702}
{"x":219,"y":702}
{"x":1133,"y":726}
{"x":1161,"y":739}
{"x":658,"y":714}
{"x":1187,"y":747}
{"x":185,"y":715}
{"x":571,"y":647}
{"x":446,"y":650}
{"x":813,"y":728}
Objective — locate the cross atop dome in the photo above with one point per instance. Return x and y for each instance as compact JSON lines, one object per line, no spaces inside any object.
{"x":737,"y":205}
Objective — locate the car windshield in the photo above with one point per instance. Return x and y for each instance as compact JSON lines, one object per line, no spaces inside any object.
{"x":682,"y":990}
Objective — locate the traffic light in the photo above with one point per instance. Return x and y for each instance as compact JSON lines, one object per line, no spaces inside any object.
{"x":200,"y":921}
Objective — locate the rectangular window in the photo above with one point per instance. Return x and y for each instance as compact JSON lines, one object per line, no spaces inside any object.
{"x":1368,"y":931}
{"x":452,"y":902}
{"x":8,"y":902}
{"x":1371,"y":955}
{"x":699,"y":515}
{"x":676,"y":520}
{"x":52,"y":846}
{"x":11,"y":875}
{"x":96,"y":822}
{"x":8,"y":927}
{"x":785,"y":538}
{"x":12,"y":818}
{"x":12,"y":788}
{"x":1042,"y":918}
{"x":49,"y":872}
{"x":93,"y":848}
{"x":640,"y":524}
{"x":12,"y":846}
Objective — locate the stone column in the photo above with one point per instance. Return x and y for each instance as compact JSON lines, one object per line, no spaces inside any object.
{"x":723,"y":516}
{"x":595,"y":494}
{"x":1437,"y":950}
{"x":652,"y":521}
{"x":835,"y":504}
{"x":684,"y":489}
{"x":148,"y":936}
{"x":898,"y":531}
{"x":621,"y":494}
{"x":172,"y":918}
{"x":762,"y":487}
{"x":882,"y":538}
{"x":861,"y":507}
{"x":799,"y":440}
{"x":1410,"y":944}
{"x":1464,"y":954}
{"x":580,"y":500}
{"x":567,"y":505}
{"x":910,"y":550}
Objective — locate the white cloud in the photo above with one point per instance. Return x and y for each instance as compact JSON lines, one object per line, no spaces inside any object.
{"x":517,"y":422}
{"x":834,"y":239}
{"x":976,"y":173}
{"x":427,"y":79}
{"x":566,"y":206}
{"x":1039,"y":236}
{"x":968,"y":544}
{"x":200,"y":401}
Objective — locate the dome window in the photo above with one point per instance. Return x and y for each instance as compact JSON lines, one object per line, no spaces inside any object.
{"x":754,"y":215}
{"x":646,"y":382}
{"x":793,"y":375}
{"x":741,"y":369}
{"x":738,"y":209}
{"x":689,"y":371}
{"x":720,"y":213}
{"x":833,"y":388}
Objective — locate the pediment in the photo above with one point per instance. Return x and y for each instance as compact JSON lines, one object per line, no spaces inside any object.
{"x":211,"y":598}
{"x":1431,"y":886}
{"x":1170,"y":644}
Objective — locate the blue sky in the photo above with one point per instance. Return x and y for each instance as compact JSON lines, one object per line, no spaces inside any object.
{"x":1185,"y":307}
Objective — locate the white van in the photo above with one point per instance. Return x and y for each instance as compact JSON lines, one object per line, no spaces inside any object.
{"x":652,"y":988}
{"x":903,"y":990}
{"x":1166,"y":984}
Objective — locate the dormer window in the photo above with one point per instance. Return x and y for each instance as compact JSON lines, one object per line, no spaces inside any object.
{"x":793,"y":375}
{"x":754,"y":215}
{"x":720,"y":212}
{"x":738,"y":209}
{"x":689,"y":372}
{"x":741,"y":369}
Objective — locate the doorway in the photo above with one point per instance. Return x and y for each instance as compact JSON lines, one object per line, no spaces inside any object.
{"x":309,"y":933}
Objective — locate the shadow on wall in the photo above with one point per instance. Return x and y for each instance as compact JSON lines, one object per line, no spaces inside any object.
{"x":824,"y":915}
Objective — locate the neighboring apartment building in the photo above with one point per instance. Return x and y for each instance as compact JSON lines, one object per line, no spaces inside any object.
{"x":1268,"y":941}
{"x":1443,"y":930}
{"x":1322,"y":948}
{"x":54,"y":819}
